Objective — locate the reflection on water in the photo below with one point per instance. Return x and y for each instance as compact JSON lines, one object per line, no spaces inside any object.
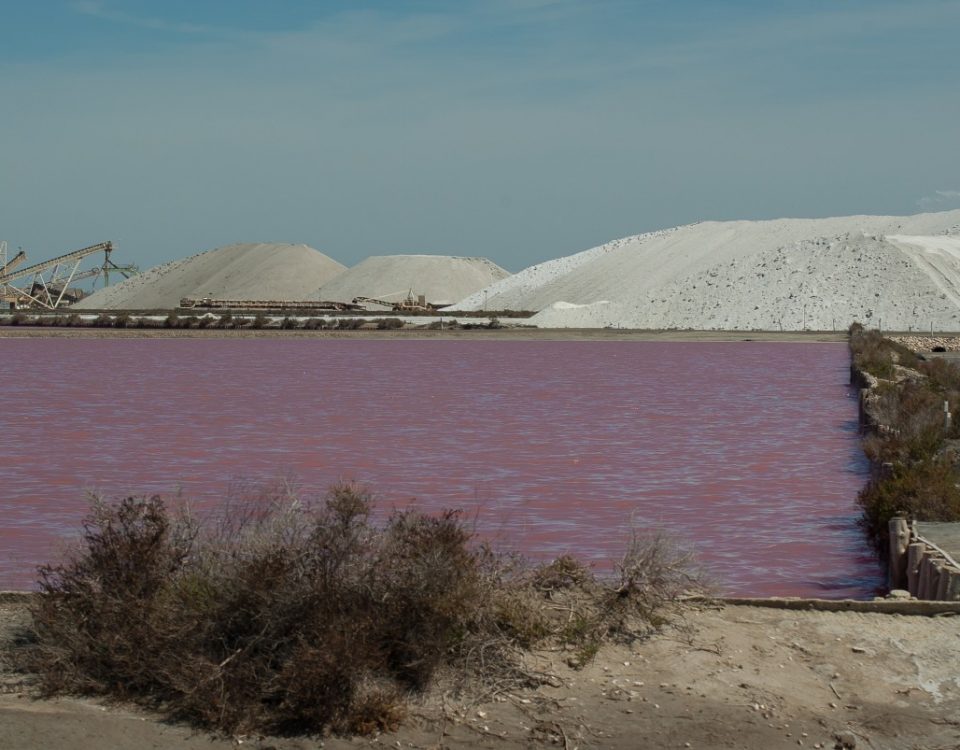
{"x":747,"y":450}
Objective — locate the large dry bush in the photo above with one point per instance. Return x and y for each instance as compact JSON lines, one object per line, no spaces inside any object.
{"x":910,"y":422}
{"x":943,"y":380}
{"x":279,"y":614}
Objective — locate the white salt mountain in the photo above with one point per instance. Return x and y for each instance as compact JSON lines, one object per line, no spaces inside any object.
{"x":899,"y":272}
{"x":442,"y":279}
{"x":252,"y":271}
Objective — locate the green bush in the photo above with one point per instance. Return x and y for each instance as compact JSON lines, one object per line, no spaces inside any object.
{"x":906,"y":436}
{"x":877,"y":355}
{"x":925,"y":491}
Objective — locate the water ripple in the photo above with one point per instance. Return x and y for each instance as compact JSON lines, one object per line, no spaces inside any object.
{"x":747,"y":450}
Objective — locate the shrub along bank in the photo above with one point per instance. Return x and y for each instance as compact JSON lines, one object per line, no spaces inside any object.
{"x":226,"y":320}
{"x":284,"y":615}
{"x":911,"y":443}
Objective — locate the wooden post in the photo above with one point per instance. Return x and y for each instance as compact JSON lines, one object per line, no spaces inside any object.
{"x":899,"y":539}
{"x":942,"y":582}
{"x":926,"y":569}
{"x":915,"y":554}
{"x":953,"y":585}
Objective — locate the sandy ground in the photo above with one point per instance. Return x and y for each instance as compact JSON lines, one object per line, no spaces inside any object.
{"x":729,"y":677}
{"x":506,"y":334}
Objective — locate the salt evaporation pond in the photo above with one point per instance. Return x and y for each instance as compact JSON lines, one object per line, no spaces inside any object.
{"x":749,"y":451}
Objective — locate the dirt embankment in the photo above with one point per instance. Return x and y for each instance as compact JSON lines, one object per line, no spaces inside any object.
{"x":505,"y":333}
{"x":724,"y":677}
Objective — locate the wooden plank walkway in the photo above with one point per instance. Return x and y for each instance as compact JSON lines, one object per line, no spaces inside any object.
{"x":945,"y":535}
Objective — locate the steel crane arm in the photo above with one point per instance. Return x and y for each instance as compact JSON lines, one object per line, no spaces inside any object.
{"x":6,"y":278}
{"x":15,"y":261}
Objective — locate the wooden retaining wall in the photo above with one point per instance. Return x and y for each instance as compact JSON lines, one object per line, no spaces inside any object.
{"x":920,"y":566}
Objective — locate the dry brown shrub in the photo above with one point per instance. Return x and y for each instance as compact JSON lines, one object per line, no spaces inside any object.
{"x":280,"y":614}
{"x":910,"y":420}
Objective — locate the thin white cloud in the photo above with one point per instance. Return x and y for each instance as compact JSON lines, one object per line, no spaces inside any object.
{"x":97,"y":9}
{"x":940,"y":199}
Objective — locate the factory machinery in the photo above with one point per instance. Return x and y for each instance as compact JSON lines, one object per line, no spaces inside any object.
{"x":47,"y":284}
{"x":408,"y":304}
{"x":359,"y":304}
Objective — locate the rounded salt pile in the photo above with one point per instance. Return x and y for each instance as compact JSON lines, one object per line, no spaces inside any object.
{"x":900,"y":272}
{"x":248,"y":271}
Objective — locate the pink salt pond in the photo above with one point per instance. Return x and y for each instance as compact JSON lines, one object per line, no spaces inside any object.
{"x":746,"y":451}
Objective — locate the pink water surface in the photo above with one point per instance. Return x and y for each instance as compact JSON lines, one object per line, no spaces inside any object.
{"x":748,"y":451}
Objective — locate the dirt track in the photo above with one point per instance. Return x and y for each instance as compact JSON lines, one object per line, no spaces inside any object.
{"x":731,"y":677}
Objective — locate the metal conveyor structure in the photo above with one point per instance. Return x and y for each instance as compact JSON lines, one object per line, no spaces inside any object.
{"x":51,"y":279}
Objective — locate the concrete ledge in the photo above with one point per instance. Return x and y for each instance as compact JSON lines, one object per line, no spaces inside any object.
{"x":914,"y":607}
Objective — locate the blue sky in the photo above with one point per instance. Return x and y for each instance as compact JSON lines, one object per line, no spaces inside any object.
{"x":521,"y":130}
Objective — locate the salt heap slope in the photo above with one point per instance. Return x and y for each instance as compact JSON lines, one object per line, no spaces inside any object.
{"x":789,"y":274}
{"x":260,"y":271}
{"x":443,"y":279}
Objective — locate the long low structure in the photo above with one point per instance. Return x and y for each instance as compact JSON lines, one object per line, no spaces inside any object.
{"x":259,"y":304}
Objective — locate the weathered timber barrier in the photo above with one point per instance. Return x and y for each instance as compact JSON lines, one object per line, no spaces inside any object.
{"x":867,"y":384}
{"x":920,"y":565}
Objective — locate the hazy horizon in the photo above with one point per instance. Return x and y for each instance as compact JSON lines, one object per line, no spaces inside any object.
{"x":518,"y":130}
